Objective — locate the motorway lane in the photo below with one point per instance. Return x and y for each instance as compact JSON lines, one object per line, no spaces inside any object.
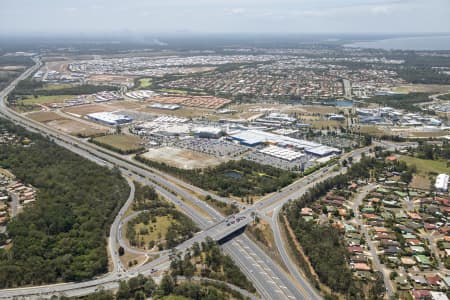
{"x":276,"y":284}
{"x":290,"y":264}
{"x":113,"y":238}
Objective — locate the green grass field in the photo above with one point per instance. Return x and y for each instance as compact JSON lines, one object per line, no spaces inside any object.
{"x":445,"y":97}
{"x":181,"y":92}
{"x":121,"y":141}
{"x":145,"y":83}
{"x":45,"y":99}
{"x":156,"y":231}
{"x":53,"y":87}
{"x":425,"y":166}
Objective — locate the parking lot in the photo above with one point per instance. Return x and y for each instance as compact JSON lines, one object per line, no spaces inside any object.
{"x":217,"y":148}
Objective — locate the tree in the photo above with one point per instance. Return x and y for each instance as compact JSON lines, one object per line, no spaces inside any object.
{"x":124,"y":291}
{"x":166,"y":286}
{"x":121,"y":251}
{"x":149,"y":287}
{"x":134,"y":283}
{"x":139,"y":295}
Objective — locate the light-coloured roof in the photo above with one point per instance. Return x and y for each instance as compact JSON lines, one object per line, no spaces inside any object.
{"x":257,"y":136}
{"x":282,"y":153}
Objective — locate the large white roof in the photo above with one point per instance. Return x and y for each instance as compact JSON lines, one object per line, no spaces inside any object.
{"x":282,"y":153}
{"x":442,"y":182}
{"x":257,"y":136}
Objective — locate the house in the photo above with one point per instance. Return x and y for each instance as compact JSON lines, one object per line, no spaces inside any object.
{"x":359,"y":259}
{"x":355,"y":249}
{"x":385,"y":236}
{"x":402,"y":282}
{"x":391,"y":158}
{"x":414,"y":242}
{"x":306,"y":211}
{"x":408,"y":261}
{"x":438,"y":296}
{"x":417,"y":249}
{"x":401,"y":216}
{"x":381,"y":230}
{"x":421,"y":295}
{"x":409,"y":235}
{"x":387,"y":243}
{"x":444,"y":229}
{"x":429,"y":226}
{"x":414,"y":216}
{"x":423,"y":260}
{"x":434,"y":281}
{"x":419,"y":280}
{"x":342,"y":212}
{"x":446,"y":280}
{"x":374,"y":200}
{"x":370,"y":217}
{"x":391,"y":250}
{"x":361,"y":267}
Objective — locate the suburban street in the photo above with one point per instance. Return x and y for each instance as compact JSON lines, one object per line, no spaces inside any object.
{"x":372,"y":248}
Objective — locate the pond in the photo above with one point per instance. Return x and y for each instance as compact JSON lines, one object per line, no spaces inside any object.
{"x":234,"y":175}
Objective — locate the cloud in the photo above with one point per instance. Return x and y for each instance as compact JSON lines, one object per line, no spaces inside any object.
{"x":238,"y":11}
{"x":70,"y":9}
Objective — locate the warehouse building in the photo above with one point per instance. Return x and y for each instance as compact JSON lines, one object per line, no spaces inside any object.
{"x":281,"y":153}
{"x":208,"y":132}
{"x":323,"y":151}
{"x":252,"y":138}
{"x":109,"y":118}
{"x":164,"y":106}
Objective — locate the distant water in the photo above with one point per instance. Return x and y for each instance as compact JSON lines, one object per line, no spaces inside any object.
{"x":419,"y":43}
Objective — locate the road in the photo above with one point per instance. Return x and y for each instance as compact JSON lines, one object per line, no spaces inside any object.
{"x":112,"y":239}
{"x":372,"y":248}
{"x":215,"y":225}
{"x":434,"y":249}
{"x":287,"y":260}
{"x":14,"y":204}
{"x":90,"y":152}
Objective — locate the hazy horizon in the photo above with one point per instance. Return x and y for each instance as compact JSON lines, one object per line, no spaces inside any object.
{"x":177,"y":17}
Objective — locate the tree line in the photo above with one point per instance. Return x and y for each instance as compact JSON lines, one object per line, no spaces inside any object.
{"x":238,"y":178}
{"x":141,"y":288}
{"x":323,"y":244}
{"x":62,"y":236}
{"x":207,"y":260}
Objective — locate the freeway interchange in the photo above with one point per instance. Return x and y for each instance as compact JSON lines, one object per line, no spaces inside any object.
{"x":270,"y":279}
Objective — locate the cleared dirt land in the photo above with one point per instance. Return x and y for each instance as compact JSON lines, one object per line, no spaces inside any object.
{"x":88,"y":109}
{"x":121,"y":141}
{"x":44,"y":116}
{"x":180,"y":158}
{"x":67,"y":125}
{"x":77,"y":128}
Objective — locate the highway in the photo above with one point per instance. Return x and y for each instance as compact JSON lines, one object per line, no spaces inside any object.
{"x":252,"y":260}
{"x":110,"y":280}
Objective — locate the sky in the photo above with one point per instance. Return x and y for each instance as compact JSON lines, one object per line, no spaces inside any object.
{"x":19,"y":17}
